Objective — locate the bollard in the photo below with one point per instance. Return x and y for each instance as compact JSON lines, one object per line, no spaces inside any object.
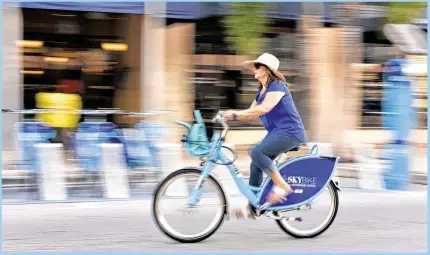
{"x":172,"y":161}
{"x":114,"y":170}
{"x":52,"y":185}
{"x":400,"y":119}
{"x":397,"y":176}
{"x":370,"y":168}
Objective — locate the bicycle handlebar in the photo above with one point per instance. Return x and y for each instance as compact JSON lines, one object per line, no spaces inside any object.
{"x":219,"y":118}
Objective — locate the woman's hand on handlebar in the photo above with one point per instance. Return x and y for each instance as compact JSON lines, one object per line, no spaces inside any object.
{"x":229,"y":115}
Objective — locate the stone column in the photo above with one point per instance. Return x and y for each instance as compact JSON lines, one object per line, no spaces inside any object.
{"x":12,"y":81}
{"x":153,"y":65}
{"x":305,"y":82}
{"x":179,"y":92}
{"x":326,"y":106}
{"x":128,"y":97}
{"x":350,"y":48}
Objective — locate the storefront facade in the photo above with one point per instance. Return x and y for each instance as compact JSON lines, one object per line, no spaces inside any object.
{"x":116,"y":51}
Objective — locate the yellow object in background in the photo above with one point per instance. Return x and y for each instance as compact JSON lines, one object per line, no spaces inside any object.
{"x":64,"y":103}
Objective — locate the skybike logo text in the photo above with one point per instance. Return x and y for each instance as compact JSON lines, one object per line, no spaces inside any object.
{"x":302,"y":181}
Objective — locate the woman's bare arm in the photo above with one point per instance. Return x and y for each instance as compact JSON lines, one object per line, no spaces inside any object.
{"x":247,"y":118}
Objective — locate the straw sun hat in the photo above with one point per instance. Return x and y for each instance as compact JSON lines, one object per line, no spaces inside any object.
{"x":268,"y":60}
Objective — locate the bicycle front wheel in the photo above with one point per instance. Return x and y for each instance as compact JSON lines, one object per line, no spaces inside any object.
{"x":182,"y":183}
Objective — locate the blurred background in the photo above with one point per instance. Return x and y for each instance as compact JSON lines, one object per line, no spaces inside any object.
{"x":137,"y":57}
{"x":184,"y":56}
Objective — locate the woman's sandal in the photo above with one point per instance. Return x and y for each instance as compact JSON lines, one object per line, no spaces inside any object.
{"x":249,"y":213}
{"x":245,"y":212}
{"x":281,"y":193}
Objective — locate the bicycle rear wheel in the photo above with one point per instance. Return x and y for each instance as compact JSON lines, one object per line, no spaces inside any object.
{"x":166,"y":226}
{"x":316,"y":231}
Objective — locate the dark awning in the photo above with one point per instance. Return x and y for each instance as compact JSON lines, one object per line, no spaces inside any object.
{"x":186,"y":10}
{"x":111,"y":7}
{"x":371,"y":16}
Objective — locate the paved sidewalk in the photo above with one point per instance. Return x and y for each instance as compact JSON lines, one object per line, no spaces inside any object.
{"x":366,"y":222}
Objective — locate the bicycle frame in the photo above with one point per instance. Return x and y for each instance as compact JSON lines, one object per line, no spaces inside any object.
{"x":253,"y":194}
{"x":217,"y":155}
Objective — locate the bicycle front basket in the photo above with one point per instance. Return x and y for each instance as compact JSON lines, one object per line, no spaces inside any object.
{"x":196,"y":142}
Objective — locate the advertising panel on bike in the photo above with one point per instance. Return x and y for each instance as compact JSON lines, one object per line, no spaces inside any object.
{"x":306,"y":175}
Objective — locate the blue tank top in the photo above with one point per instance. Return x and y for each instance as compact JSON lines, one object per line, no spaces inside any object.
{"x":284,"y":117}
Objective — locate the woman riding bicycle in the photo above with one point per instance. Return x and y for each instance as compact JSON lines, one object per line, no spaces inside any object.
{"x":275,"y":107}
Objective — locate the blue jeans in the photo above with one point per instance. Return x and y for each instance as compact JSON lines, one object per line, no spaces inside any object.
{"x":265,"y":152}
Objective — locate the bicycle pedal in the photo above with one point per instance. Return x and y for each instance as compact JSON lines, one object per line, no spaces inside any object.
{"x":242,"y":217}
{"x":265,"y":205}
{"x":306,"y":207}
{"x":188,"y":209}
{"x":298,"y":219}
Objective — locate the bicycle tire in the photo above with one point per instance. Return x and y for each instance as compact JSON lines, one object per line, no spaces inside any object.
{"x":156,"y":197}
{"x":333,"y":188}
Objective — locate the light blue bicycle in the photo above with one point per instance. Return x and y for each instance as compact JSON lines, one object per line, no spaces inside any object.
{"x":308,"y":175}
